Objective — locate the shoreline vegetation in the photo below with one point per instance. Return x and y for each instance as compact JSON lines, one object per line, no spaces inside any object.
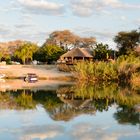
{"x":124,"y":70}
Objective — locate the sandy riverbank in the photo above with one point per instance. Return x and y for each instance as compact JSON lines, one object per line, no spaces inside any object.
{"x":6,"y":85}
{"x":43,"y":71}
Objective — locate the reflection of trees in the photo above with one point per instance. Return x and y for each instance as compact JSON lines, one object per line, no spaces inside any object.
{"x":48,"y":99}
{"x":25,"y":101}
{"x":16,"y":100}
{"x":102,"y":104}
{"x":57,"y":108}
{"x":106,"y":94}
{"x":6,"y":101}
{"x":103,"y":96}
{"x":126,"y":115}
{"x":72,"y":101}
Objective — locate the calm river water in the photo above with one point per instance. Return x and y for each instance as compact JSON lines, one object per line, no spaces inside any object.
{"x":70,"y":112}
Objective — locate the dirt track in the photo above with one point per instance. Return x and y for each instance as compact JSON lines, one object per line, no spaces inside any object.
{"x":43,"y":71}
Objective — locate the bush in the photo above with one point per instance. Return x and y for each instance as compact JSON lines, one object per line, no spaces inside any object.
{"x":121,"y":70}
{"x":64,"y":67}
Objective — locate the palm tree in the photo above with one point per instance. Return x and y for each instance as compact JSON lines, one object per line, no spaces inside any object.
{"x":26,"y":51}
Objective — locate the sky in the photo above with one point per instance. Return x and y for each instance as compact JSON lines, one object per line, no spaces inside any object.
{"x":34,"y":20}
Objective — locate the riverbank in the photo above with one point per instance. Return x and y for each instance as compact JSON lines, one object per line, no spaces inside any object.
{"x":6,"y":85}
{"x":44,"y":72}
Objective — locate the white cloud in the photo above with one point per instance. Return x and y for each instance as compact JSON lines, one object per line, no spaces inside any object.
{"x":84,"y":8}
{"x":23,"y":31}
{"x":90,"y":7}
{"x":123,"y":18}
{"x":41,"y":6}
{"x":102,"y":36}
{"x":98,"y":34}
{"x":112,"y":3}
{"x":5,"y":32}
{"x":90,"y":131}
{"x":119,"y":4}
{"x":23,"y":25}
{"x":3,"y":29}
{"x":40,"y":132}
{"x":137,"y":21}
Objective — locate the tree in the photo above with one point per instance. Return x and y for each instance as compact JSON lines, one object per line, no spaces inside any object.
{"x":48,"y":53}
{"x":127,"y":41}
{"x":126,"y":114}
{"x":1,"y":55}
{"x":26,"y":51}
{"x":66,"y":38}
{"x":101,"y":51}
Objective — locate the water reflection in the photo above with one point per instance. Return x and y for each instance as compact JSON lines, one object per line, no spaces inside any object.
{"x":101,"y":97}
{"x":126,"y":115}
{"x":68,"y":103}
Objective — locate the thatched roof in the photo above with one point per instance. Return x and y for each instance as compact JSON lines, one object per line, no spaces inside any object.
{"x":77,"y":103}
{"x":73,"y":108}
{"x":78,"y":52}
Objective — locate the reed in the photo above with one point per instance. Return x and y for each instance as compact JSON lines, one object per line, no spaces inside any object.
{"x":121,"y":70}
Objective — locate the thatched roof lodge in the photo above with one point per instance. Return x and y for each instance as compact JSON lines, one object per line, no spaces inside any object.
{"x":72,"y":108}
{"x":77,"y":54}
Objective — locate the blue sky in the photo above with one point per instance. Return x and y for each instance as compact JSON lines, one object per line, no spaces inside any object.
{"x":34,"y":20}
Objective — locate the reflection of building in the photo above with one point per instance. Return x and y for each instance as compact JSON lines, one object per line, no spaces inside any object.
{"x":72,"y":107}
{"x":77,"y":103}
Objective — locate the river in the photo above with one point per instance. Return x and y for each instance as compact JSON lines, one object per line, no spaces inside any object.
{"x":70,"y":112}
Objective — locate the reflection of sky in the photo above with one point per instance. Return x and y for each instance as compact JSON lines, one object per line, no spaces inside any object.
{"x":37,"y":125}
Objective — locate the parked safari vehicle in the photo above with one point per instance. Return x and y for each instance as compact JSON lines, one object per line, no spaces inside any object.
{"x":31,"y":77}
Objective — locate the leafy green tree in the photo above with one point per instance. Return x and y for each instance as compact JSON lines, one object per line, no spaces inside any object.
{"x":127,"y":41}
{"x":1,"y":55}
{"x":49,"y":53}
{"x":26,"y":51}
{"x":8,"y":59}
{"x":101,"y":51}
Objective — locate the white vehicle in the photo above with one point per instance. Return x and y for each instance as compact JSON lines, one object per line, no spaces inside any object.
{"x":31,"y":77}
{"x":2,"y":76}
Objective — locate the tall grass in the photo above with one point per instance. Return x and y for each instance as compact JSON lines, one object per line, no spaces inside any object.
{"x":121,"y":70}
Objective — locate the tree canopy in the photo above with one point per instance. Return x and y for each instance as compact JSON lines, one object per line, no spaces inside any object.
{"x":102,"y":51}
{"x":127,"y":41}
{"x":48,"y":53}
{"x":26,"y":51}
{"x":66,"y":38}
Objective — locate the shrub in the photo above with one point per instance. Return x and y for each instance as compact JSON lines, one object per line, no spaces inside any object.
{"x":121,"y":70}
{"x":64,"y":67}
